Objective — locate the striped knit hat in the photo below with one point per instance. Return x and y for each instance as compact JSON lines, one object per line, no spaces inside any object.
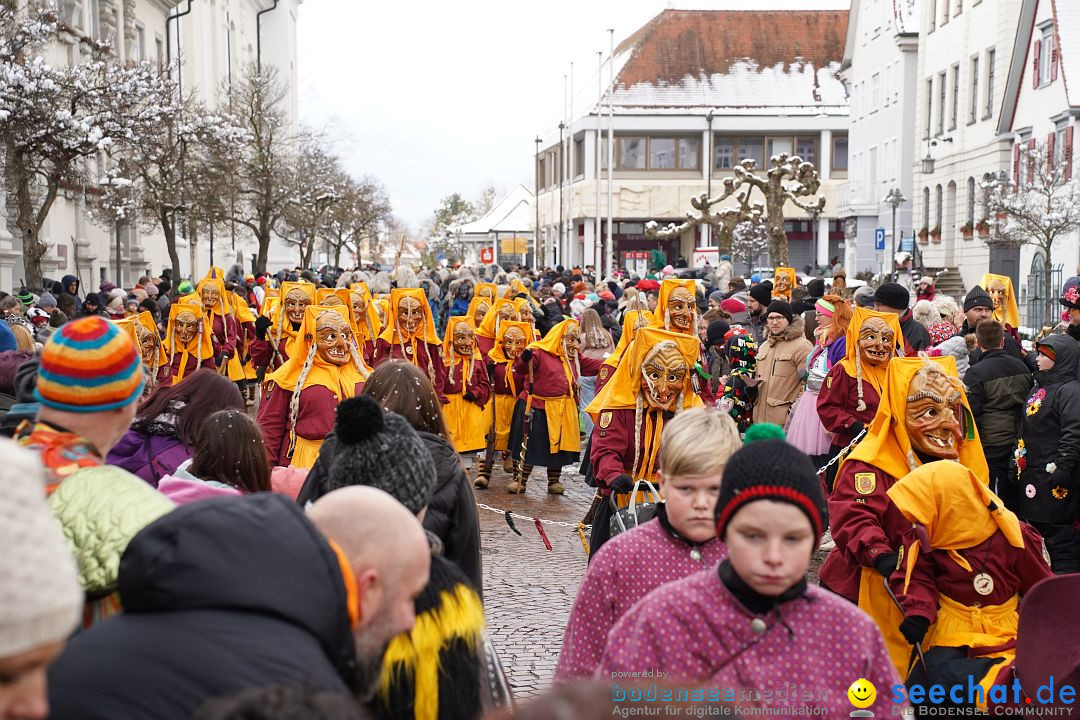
{"x":89,"y":365}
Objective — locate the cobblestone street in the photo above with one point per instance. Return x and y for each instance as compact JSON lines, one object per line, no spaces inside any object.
{"x":528,"y":590}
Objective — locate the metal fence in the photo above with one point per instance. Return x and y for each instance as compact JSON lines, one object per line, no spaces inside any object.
{"x":1040,"y":306}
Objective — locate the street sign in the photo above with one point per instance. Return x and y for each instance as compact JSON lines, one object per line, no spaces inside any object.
{"x":487,"y":255}
{"x":879,"y":239}
{"x":907,"y":244}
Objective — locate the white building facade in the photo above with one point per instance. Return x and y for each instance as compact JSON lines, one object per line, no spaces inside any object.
{"x":963,"y":59}
{"x":214,"y":39}
{"x":682,"y":118}
{"x":1041,"y":109}
{"x":880,"y":69}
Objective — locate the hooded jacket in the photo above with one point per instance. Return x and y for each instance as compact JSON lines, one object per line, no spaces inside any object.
{"x":997,"y":388}
{"x":219,"y":596}
{"x":781,"y":365}
{"x":1050,"y":451}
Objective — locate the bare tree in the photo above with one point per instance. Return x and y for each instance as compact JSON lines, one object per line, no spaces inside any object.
{"x":1040,"y":207}
{"x":317,"y":180}
{"x":56,"y":120}
{"x":255,"y":179}
{"x":356,"y":218}
{"x":789,"y":179}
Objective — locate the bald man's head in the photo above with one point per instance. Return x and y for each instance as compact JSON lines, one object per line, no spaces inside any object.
{"x":388,"y":552}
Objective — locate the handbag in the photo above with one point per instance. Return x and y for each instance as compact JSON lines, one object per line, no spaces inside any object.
{"x":635,"y":513}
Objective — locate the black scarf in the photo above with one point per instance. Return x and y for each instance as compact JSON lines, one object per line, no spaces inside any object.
{"x":751,"y":599}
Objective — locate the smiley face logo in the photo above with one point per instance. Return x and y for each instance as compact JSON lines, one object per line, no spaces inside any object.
{"x":862,"y":693}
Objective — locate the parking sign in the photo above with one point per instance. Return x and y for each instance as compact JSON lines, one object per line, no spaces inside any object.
{"x":879,"y":239}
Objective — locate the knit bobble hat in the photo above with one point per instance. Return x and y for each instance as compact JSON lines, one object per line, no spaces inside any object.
{"x":89,"y":365}
{"x":761,"y":293}
{"x":381,"y":450}
{"x":39,"y":585}
{"x":977,"y":297}
{"x":892,"y":295}
{"x":781,"y":308}
{"x":771,"y":470}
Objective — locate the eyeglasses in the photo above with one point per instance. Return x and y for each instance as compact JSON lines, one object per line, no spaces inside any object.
{"x":773,"y":318}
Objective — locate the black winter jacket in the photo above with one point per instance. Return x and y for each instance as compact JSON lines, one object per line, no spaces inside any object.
{"x":997,"y":388}
{"x":1051,"y":434}
{"x":219,"y":596}
{"x":914,"y":333}
{"x":451,"y":514}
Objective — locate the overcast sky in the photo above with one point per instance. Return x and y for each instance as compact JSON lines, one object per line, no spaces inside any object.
{"x":439,"y":97}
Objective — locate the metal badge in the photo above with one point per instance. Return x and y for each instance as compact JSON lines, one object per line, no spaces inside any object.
{"x":984,"y":584}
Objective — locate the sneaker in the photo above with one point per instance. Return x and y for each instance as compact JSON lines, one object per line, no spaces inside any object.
{"x":827,"y":542}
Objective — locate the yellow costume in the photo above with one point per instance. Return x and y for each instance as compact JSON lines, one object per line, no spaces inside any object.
{"x":1000,"y":289}
{"x":564,"y":434}
{"x":466,"y":422}
{"x":142,"y":327}
{"x":504,"y":402}
{"x":783,"y":283}
{"x":199,"y":347}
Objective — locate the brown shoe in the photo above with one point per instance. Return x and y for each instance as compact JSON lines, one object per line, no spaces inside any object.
{"x":515,"y":487}
{"x":481,"y":483}
{"x":508,"y":464}
{"x":556,"y":488}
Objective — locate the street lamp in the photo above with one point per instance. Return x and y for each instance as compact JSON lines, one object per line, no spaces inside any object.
{"x":895,"y":198}
{"x":536,"y":207}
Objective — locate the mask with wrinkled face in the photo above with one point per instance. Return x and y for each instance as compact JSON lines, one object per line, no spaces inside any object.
{"x":997,"y":292}
{"x":506,"y":312}
{"x":664,"y":372}
{"x":359,"y":305}
{"x":295,"y":303}
{"x":934,"y":411}
{"x":463,"y":339}
{"x":481,"y":311}
{"x":185,"y":326}
{"x":680,"y":305}
{"x":513,"y":342}
{"x":572,"y":342}
{"x":526,"y":313}
{"x":876,"y":341}
{"x":332,"y":301}
{"x":210,"y":297}
{"x":485,"y":292}
{"x":147,"y":345}
{"x":332,"y":338}
{"x":410,"y":315}
{"x":783,"y":284}
{"x":381,"y":313}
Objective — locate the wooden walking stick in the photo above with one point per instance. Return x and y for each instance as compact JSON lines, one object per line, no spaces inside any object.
{"x":489,"y":450}
{"x":526,"y":426}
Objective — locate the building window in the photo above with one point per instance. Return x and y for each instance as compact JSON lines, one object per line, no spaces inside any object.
{"x":751,"y":148}
{"x":159,"y":50}
{"x":945,"y":12}
{"x":926,"y":208}
{"x":973,"y":111}
{"x":630,"y":153}
{"x":1046,"y":57}
{"x":779,"y":145}
{"x":140,"y":43}
{"x":725,"y":151}
{"x":875,"y":92}
{"x":990,"y":57}
{"x":929,"y":104}
{"x":1059,"y":142}
{"x":955,"y":96}
{"x":871,"y":166}
{"x":941,"y":103}
{"x":839,"y":153}
{"x":940,"y":209}
{"x":959,"y":7}
{"x":541,"y":173}
{"x":688,"y":153}
{"x":971,"y":201}
{"x":662,"y":153}
{"x":933,"y":15}
{"x":806,"y":148}
{"x":579,"y":157}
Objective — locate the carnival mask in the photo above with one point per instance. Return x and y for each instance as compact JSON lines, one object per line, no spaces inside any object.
{"x":185,"y":326}
{"x":572,"y":341}
{"x":481,"y":311}
{"x":332,"y":300}
{"x":506,"y":312}
{"x":359,"y":305}
{"x":332,"y":338}
{"x":664,"y":372}
{"x":210,"y":297}
{"x":410,"y":315}
{"x":876,"y":341}
{"x":526,"y":313}
{"x":147,"y":345}
{"x":934,"y":409}
{"x":996,"y":290}
{"x":295,"y":303}
{"x":463,"y":339}
{"x":681,"y":310}
{"x":485,"y":292}
{"x":783,"y":284}
{"x":513,"y":342}
{"x":381,"y":312}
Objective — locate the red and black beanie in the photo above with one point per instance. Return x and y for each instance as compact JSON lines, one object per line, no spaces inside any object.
{"x":771,"y":470}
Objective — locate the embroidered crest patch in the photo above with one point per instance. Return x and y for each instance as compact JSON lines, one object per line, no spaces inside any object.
{"x":604,"y":372}
{"x":865,"y":483}
{"x":605,"y":418}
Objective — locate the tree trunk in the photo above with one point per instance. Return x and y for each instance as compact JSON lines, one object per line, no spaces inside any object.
{"x":264,"y":247}
{"x":170,"y":243}
{"x":25,"y":222}
{"x":778,"y":242}
{"x":337,"y":256}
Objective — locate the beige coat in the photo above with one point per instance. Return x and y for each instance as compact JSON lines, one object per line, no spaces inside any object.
{"x":781,"y":367}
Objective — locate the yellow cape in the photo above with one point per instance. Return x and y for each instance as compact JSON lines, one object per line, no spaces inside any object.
{"x":1009,"y":313}
{"x":200,"y":346}
{"x":336,"y":378}
{"x":147,"y":321}
{"x":660,"y":314}
{"x":873,"y":374}
{"x":493,"y":321}
{"x":390,"y":332}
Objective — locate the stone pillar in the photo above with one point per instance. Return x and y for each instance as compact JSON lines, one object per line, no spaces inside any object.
{"x":823,"y":241}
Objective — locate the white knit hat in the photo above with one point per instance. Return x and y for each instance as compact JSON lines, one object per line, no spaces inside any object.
{"x":40,"y":597}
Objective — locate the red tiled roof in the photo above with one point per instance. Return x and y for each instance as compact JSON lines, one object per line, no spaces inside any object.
{"x":702,"y":43}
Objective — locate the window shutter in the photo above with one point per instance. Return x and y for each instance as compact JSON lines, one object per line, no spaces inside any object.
{"x":1054,"y":63}
{"x":1035,"y":64}
{"x":1016,"y":163}
{"x":1031,"y":161}
{"x":1066,"y":153}
{"x":1050,"y":141}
